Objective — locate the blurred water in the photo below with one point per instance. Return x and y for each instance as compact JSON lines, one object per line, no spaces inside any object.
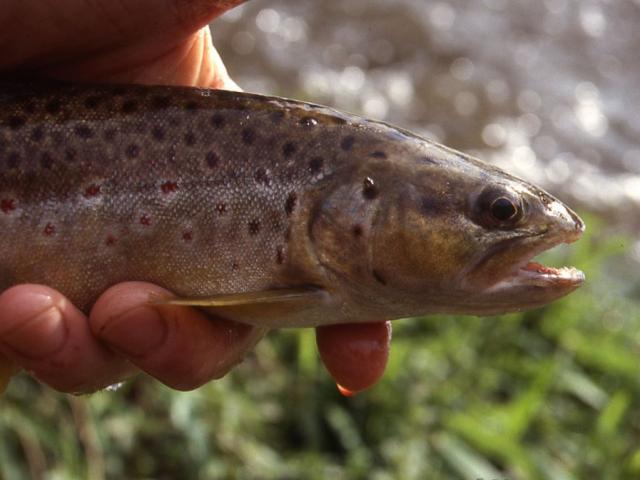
{"x":549,"y":90}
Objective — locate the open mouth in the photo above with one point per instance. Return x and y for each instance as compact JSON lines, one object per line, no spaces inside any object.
{"x":535,"y":274}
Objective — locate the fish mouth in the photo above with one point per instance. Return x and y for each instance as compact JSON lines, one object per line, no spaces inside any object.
{"x":530,"y":273}
{"x":534,"y":274}
{"x":510,"y":267}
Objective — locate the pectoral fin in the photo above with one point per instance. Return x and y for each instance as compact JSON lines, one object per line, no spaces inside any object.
{"x":285,"y":307}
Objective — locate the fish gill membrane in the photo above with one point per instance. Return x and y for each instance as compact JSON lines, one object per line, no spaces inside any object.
{"x":263,"y":210}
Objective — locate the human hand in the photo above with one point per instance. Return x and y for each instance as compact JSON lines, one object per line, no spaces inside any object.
{"x":147,"y":42}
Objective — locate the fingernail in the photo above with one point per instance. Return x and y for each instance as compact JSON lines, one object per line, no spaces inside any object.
{"x":136,"y":332}
{"x":41,"y":335}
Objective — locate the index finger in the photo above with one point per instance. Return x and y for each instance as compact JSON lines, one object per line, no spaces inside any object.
{"x":180,"y":346}
{"x":38,"y":33}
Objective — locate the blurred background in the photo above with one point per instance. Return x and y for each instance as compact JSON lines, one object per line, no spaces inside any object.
{"x":547,"y":90}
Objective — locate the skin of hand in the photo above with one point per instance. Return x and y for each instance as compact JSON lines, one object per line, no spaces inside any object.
{"x":146,"y":42}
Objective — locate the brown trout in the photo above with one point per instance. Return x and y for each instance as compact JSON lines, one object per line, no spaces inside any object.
{"x":267,"y":211}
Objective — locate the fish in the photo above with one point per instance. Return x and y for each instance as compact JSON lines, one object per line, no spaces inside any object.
{"x":263,"y":210}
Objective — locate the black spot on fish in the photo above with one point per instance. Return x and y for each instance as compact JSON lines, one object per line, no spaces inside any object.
{"x":379,"y":278}
{"x":158,"y":133}
{"x":160,"y":101}
{"x":254,"y":227}
{"x":235,"y":266}
{"x":290,"y":204}
{"x":212,"y":159}
{"x":16,"y":121}
{"x":46,"y":160}
{"x":288,"y":149}
{"x":261,"y":176}
{"x":37,"y":134}
{"x":347,"y":143}
{"x":110,"y":135}
{"x":174,"y":120}
{"x":308,"y":122}
{"x":132,"y":150}
{"x":92,"y":102}
{"x":315,"y":165}
{"x":129,"y":106}
{"x":369,"y":189}
{"x":191,"y":106}
{"x":13,"y":160}
{"x":276,"y":116}
{"x":217,"y":120}
{"x":248,"y":136}
{"x":357,"y":230}
{"x":53,"y":106}
{"x":57,"y":137}
{"x":70,"y":154}
{"x":280,"y":254}
{"x":83,"y":131}
{"x":190,"y":139}
{"x":378,"y":154}
{"x":431,"y":206}
{"x":544,"y":198}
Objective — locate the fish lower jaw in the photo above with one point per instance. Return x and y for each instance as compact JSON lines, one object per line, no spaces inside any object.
{"x":534,"y":274}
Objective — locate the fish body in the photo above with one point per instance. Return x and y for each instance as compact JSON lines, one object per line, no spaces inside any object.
{"x":268,"y":211}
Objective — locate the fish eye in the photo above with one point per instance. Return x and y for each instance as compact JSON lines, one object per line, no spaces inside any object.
{"x":503,"y":209}
{"x":497,"y":208}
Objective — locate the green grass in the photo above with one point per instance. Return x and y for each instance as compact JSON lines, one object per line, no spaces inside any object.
{"x":548,"y":394}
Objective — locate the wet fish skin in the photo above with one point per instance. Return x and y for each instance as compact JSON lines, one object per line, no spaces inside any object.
{"x":211,"y":193}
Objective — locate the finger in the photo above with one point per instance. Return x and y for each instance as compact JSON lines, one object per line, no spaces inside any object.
{"x":355,"y":354}
{"x":179,"y":346}
{"x":39,"y":32}
{"x":195,"y":62}
{"x":41,"y":331}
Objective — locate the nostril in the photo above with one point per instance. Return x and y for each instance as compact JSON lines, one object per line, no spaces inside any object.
{"x":578,"y":224}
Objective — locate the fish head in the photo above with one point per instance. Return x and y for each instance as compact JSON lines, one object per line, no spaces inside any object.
{"x":431,"y":230}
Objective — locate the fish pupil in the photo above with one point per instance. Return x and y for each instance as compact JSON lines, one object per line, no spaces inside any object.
{"x":503,"y":209}
{"x":369,"y":189}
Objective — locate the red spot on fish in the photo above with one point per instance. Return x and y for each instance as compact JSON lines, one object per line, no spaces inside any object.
{"x":110,"y":241}
{"x":187,"y":236}
{"x":221,"y":208}
{"x":144,"y":220}
{"x":7,"y":205}
{"x":49,"y":229}
{"x":92,"y":191}
{"x":168,"y":187}
{"x":235,"y":266}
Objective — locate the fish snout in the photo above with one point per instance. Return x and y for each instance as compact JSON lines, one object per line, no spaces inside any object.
{"x":564,"y":221}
